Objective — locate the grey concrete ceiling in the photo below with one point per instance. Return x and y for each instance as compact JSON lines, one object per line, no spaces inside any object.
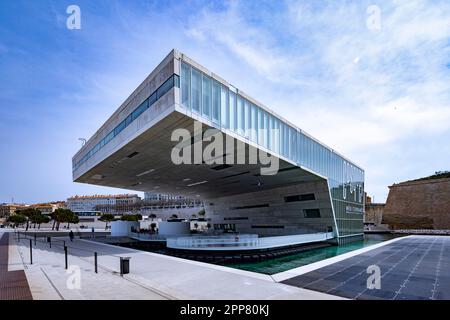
{"x":151,"y":168}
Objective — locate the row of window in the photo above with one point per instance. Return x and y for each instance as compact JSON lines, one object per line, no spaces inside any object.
{"x":300,"y":197}
{"x":155,"y":96}
{"x":216,"y":102}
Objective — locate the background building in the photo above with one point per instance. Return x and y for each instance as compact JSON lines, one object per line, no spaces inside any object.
{"x":8,"y":209}
{"x":114,"y":204}
{"x":419,"y":204}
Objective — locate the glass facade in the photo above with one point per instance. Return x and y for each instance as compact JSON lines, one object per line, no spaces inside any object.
{"x":253,"y":123}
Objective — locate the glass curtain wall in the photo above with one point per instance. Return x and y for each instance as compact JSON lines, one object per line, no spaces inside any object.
{"x":229,"y":110}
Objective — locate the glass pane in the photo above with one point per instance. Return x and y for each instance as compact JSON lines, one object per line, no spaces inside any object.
{"x":206,"y":93}
{"x":232,"y":118}
{"x":196,"y":90}
{"x":240,"y":115}
{"x":216,"y":101}
{"x":225,"y":113}
{"x":185,"y":85}
{"x":254,"y":123}
{"x":248,"y":121}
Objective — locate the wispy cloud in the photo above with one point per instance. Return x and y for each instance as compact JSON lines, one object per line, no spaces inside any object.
{"x":360,"y":90}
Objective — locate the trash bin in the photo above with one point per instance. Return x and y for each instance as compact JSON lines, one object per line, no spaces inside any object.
{"x":124,"y":265}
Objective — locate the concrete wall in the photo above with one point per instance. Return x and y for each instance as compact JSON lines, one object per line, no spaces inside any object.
{"x":164,"y":70}
{"x":123,"y":228}
{"x":374,"y":213}
{"x":288,"y":215}
{"x":164,"y":214}
{"x":419,"y":205}
{"x":173,"y":228}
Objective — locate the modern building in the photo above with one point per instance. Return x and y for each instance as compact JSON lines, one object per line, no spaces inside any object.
{"x":419,"y":204}
{"x":114,"y":204}
{"x":313,"y":191}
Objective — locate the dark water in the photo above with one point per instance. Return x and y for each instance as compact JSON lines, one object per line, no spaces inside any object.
{"x":300,"y":259}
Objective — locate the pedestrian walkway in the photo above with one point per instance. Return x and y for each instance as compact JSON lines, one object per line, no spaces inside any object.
{"x":152,"y":276}
{"x":13,"y":283}
{"x":410,"y":268}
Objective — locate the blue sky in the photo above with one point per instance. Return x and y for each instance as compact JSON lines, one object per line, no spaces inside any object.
{"x":379,"y":96}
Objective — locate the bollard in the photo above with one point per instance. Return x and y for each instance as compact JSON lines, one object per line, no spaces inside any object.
{"x":31,"y":252}
{"x":35,"y":239}
{"x":49,"y":240}
{"x":95,"y":261}
{"x":65,"y":255}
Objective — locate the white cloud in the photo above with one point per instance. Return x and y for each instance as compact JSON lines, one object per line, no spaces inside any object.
{"x":356,"y":89}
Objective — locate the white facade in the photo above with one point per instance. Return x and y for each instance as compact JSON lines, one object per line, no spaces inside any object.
{"x":90,"y":203}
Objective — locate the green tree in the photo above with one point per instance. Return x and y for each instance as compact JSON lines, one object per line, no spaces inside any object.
{"x":71,"y":218}
{"x":29,"y":213}
{"x":58,"y":216}
{"x":107,"y":217}
{"x":17,"y":219}
{"x":172,"y":217}
{"x":202,"y":213}
{"x":38,"y":219}
{"x":64,"y":216}
{"x":153,"y":227}
{"x":152,"y":216}
{"x":131,"y":217}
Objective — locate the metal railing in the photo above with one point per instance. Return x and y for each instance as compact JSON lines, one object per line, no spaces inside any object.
{"x":33,"y":238}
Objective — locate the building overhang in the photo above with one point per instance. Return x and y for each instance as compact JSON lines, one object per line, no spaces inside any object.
{"x":144,"y":164}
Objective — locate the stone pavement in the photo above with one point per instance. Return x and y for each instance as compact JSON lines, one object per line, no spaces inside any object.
{"x":13,"y":283}
{"x":152,"y":276}
{"x":411,"y":268}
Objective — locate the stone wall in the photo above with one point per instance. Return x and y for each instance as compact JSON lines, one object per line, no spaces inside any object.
{"x":374,"y":213}
{"x":423,"y":204}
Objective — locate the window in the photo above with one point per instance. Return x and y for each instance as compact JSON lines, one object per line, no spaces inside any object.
{"x":260,"y":127}
{"x":232,"y":110}
{"x":185,"y":85}
{"x":311,"y":213}
{"x":216,"y":97}
{"x":224,"y":107}
{"x":248,"y":120}
{"x":163,"y":89}
{"x":119,"y":128}
{"x":240,"y":115}
{"x":235,"y":218}
{"x":254,"y":126}
{"x":267,"y":227}
{"x":196,"y":90}
{"x":265,"y":205}
{"x":300,"y":197}
{"x":206,"y":94}
{"x":139,"y":110}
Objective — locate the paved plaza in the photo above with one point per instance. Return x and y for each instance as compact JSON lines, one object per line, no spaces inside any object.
{"x":152,"y":276}
{"x":412,"y":268}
